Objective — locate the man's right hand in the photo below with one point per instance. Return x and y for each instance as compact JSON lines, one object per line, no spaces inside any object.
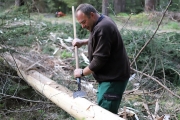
{"x":77,"y":42}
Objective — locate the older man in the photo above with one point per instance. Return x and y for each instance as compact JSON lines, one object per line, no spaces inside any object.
{"x":107,"y":55}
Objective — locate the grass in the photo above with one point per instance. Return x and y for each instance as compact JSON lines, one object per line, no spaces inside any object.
{"x":144,"y":20}
{"x":50,"y":17}
{"x":172,"y":25}
{"x":123,"y":15}
{"x":65,"y":54}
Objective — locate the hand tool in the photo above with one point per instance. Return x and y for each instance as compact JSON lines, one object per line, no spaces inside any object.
{"x":78,"y":93}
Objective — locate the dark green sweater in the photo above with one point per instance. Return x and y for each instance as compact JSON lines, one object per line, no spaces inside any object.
{"x":106,"y":52}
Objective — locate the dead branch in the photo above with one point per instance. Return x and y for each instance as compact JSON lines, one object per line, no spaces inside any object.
{"x":124,"y":116}
{"x":153,"y":33}
{"x":64,"y":45}
{"x":155,"y":116}
{"x":127,"y":21}
{"x":15,"y":97}
{"x":27,"y":110}
{"x":178,"y":109}
{"x":7,"y":75}
{"x":128,"y":113}
{"x":157,"y":82}
{"x":175,"y":71}
{"x":147,"y":110}
{"x":29,"y":68}
{"x":86,"y":60}
{"x":138,"y":92}
{"x":156,"y":107}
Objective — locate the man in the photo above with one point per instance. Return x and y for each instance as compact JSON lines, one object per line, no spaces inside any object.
{"x":107,"y":55}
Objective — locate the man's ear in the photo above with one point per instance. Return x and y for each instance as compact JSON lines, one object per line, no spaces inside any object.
{"x":92,"y":14}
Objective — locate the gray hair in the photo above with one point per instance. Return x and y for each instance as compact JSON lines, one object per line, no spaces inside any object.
{"x":86,"y":9}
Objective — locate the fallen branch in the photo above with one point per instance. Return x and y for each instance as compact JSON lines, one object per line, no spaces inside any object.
{"x":128,"y":113}
{"x":64,"y":45}
{"x":175,"y":71}
{"x":147,"y":110}
{"x":138,"y":92}
{"x":157,"y":82}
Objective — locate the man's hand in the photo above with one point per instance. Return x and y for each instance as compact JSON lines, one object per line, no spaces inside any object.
{"x":77,"y":73}
{"x":77,"y":42}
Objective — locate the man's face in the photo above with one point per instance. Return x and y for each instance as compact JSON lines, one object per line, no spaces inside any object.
{"x":85,"y":21}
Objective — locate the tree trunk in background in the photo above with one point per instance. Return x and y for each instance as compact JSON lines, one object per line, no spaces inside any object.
{"x":119,"y":6}
{"x":39,"y":6}
{"x":150,"y":5}
{"x":105,"y":7}
{"x":80,"y":2}
{"x":19,"y":3}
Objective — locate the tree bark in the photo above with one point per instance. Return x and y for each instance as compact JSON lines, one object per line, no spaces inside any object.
{"x":105,"y":7}
{"x":19,"y":3}
{"x":119,"y":6}
{"x":150,"y":5}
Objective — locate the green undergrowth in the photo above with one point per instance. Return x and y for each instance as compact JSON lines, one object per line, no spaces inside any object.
{"x":160,"y":56}
{"x":172,"y":25}
{"x":65,"y":54}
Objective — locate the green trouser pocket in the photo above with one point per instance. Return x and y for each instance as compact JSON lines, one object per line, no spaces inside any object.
{"x":109,"y":95}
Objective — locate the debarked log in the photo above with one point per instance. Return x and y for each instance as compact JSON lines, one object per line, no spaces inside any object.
{"x":79,"y":108}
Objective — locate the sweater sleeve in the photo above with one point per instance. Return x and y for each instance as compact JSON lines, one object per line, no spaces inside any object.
{"x":102,"y":50}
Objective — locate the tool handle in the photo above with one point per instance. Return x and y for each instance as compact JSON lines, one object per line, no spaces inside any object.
{"x":74,"y":27}
{"x":76,"y":49}
{"x":79,"y":83}
{"x":76,"y":57}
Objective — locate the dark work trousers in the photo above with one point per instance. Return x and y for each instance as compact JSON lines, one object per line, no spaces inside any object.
{"x":109,"y":95}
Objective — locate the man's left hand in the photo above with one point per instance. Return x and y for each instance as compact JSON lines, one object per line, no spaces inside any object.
{"x":77,"y":73}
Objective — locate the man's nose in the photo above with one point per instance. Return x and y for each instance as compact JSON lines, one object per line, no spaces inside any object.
{"x":83,"y":25}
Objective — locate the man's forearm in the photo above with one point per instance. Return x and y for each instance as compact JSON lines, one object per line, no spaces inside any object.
{"x":85,"y":41}
{"x":87,"y":71}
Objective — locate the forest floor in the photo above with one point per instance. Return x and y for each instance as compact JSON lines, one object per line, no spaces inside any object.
{"x":62,"y":69}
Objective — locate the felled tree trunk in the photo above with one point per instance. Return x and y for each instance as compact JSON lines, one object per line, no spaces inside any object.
{"x":80,"y":108}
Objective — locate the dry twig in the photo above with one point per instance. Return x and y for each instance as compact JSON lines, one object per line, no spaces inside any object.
{"x":138,"y":92}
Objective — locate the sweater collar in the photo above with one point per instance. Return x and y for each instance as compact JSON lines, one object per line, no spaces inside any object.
{"x":99,"y":19}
